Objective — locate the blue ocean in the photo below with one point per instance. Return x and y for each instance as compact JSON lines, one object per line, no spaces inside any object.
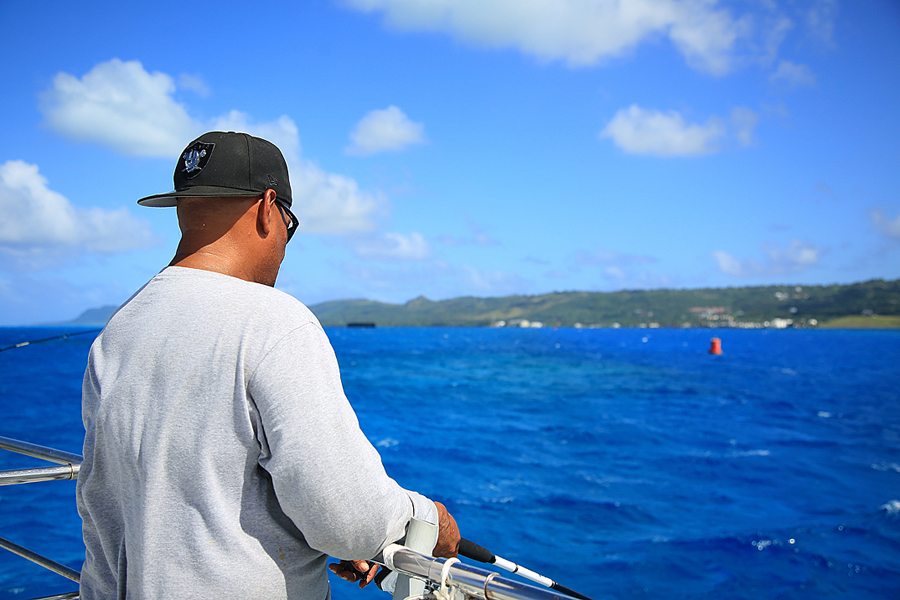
{"x":622,"y":463}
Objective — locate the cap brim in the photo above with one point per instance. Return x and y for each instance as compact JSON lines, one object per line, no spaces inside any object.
{"x":160,"y":200}
{"x":205,"y":191}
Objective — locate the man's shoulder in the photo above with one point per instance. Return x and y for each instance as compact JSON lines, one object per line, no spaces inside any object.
{"x":291,"y":306}
{"x":197,"y":289}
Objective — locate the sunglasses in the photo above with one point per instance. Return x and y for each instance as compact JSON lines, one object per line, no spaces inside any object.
{"x":290,"y":222}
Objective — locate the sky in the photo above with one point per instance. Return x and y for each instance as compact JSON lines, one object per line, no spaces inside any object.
{"x":451,"y":148}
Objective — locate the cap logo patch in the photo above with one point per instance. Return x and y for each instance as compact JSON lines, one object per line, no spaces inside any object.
{"x":195,"y":158}
{"x":272,"y":180}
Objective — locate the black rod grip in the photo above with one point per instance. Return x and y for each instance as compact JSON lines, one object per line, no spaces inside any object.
{"x":475,"y":552}
{"x":568,"y":591}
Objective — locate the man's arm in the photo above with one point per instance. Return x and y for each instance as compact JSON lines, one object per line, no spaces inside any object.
{"x":327,"y":476}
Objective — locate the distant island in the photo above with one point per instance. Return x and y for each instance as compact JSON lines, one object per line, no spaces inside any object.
{"x":870,"y":304}
{"x":874,"y":303}
{"x":94,"y":317}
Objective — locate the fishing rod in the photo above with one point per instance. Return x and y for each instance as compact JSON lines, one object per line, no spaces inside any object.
{"x":475,"y":552}
{"x":55,"y":337}
{"x":478,"y":553}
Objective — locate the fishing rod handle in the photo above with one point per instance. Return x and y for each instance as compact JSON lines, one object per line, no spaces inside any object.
{"x":472,"y":550}
{"x":520,"y":570}
{"x":569,"y":591}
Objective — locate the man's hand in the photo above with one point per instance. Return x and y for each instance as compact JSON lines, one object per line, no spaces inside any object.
{"x":355,"y":570}
{"x":447,"y":545}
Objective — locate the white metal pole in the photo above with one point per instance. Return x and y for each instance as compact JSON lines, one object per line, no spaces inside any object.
{"x":421,"y":536}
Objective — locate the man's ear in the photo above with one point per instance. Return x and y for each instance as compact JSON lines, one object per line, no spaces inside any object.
{"x":264,"y":212}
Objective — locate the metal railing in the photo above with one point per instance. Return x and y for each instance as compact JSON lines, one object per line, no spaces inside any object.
{"x":71,"y":463}
{"x":471,"y":582}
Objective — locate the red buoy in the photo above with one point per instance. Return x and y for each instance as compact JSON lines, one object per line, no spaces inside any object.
{"x":715,"y":346}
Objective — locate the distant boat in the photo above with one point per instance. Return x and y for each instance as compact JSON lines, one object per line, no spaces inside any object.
{"x":358,"y":324}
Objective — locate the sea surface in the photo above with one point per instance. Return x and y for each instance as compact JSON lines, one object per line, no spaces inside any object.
{"x":622,"y":463}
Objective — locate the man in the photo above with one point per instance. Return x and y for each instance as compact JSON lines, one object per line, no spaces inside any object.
{"x":221,"y":457}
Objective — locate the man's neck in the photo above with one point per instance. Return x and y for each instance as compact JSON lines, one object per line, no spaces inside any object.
{"x":208,"y":263}
{"x":209,"y":260}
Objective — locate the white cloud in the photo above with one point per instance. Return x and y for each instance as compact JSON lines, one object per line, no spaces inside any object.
{"x":194,"y":83}
{"x":382,"y":130}
{"x":885,"y":225}
{"x":744,"y":121}
{"x":793,"y":75}
{"x":490,"y":282}
{"x":36,"y":221}
{"x":641,"y":131}
{"x":614,"y":273}
{"x":798,"y":257}
{"x":330,"y":203}
{"x":392,"y":246}
{"x":120,"y":105}
{"x":623,"y":270}
{"x":730,"y":265}
{"x":580,"y":32}
{"x":479,"y":236}
{"x":820,"y":18}
{"x":775,"y":30}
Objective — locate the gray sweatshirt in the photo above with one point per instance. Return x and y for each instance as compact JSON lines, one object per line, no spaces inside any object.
{"x":221,"y":456}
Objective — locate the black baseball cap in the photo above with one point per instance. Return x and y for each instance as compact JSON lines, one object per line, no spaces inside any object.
{"x":223,"y":164}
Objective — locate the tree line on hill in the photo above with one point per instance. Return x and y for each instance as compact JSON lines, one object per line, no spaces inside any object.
{"x":800,"y":306}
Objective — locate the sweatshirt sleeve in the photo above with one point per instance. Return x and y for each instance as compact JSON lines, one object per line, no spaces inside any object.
{"x":328,"y":478}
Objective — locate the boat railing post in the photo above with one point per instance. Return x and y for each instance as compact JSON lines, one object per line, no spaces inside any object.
{"x":421,"y":537}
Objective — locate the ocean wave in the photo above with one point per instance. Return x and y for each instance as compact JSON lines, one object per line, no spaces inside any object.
{"x":887,"y":467}
{"x":751,"y":453}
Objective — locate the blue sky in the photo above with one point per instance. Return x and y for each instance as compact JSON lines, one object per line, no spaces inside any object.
{"x":445,"y":148}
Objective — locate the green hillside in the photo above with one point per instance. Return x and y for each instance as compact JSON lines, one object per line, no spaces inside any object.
{"x":733,"y":307}
{"x":871,"y":304}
